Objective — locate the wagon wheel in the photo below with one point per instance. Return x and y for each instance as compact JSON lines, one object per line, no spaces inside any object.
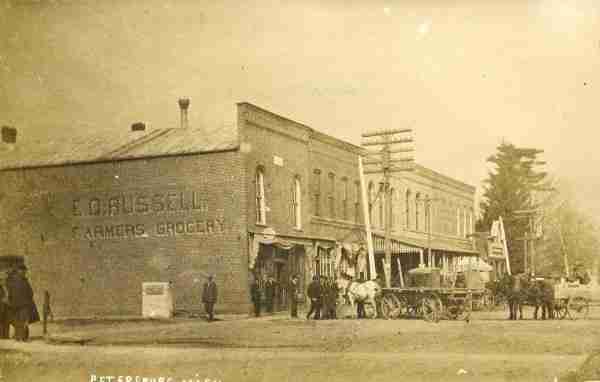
{"x":389,"y":306}
{"x":403,"y":306}
{"x":578,"y":307}
{"x":560,"y":309}
{"x":430,"y":308}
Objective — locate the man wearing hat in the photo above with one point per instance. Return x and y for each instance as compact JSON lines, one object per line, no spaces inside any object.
{"x":209,"y":297}
{"x":20,"y":300}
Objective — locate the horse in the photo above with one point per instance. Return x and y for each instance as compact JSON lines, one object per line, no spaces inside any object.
{"x":515,"y":291}
{"x":542,"y":296}
{"x":364,"y":292}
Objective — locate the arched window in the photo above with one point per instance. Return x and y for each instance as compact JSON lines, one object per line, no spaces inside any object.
{"x":261,"y":212}
{"x":370,"y":197}
{"x":407,"y":209}
{"x":357,"y":202}
{"x":427,"y":214}
{"x":392,"y":208}
{"x":297,"y":203}
{"x":332,"y":195}
{"x":457,"y":221}
{"x":380,"y":204}
{"x":417,"y":210}
{"x":345,"y":198}
{"x":317,"y":192}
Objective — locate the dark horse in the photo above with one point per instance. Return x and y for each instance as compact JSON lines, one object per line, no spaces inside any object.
{"x":515,"y":292}
{"x":521,"y":290}
{"x":541,"y":295}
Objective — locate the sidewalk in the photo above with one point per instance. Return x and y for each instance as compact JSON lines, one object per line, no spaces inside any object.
{"x":142,"y":331}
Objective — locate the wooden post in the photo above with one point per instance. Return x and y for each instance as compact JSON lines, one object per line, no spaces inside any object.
{"x":365,"y":203}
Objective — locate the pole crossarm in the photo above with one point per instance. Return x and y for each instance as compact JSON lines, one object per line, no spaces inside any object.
{"x":399,"y":160}
{"x":385,"y":132}
{"x":385,"y":143}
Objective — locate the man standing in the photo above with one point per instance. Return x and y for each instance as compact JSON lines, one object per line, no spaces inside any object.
{"x":4,"y":316}
{"x":255,"y":296}
{"x":325,"y":298}
{"x":20,"y":300}
{"x":270,"y":293}
{"x":294,"y":289}
{"x":314,"y":293}
{"x":209,"y":297}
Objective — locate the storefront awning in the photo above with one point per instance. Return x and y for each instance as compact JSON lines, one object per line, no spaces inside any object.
{"x":404,"y":245}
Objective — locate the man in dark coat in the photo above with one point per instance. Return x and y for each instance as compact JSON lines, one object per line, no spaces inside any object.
{"x":255,"y":296}
{"x":324,"y":298}
{"x":209,"y":297}
{"x":20,"y":300}
{"x":4,"y":314}
{"x":314,"y":293}
{"x":270,"y":293}
{"x":294,"y":290}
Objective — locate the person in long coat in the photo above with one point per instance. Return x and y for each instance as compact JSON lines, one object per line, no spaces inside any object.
{"x":294,"y":290}
{"x":4,"y":314}
{"x":270,"y":293}
{"x":255,"y":296}
{"x":20,"y":300}
{"x":209,"y":297}
{"x":314,"y":293}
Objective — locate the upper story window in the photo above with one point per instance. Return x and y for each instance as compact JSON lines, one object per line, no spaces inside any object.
{"x":427,"y":213}
{"x":407,"y":205}
{"x":332,"y":195}
{"x":345,"y":198}
{"x":391,"y":217}
{"x":261,"y":210}
{"x":357,"y":202}
{"x":380,"y":202}
{"x":370,"y":201}
{"x":417,"y":210}
{"x":317,"y":192}
{"x":297,"y":203}
{"x":457,"y":221}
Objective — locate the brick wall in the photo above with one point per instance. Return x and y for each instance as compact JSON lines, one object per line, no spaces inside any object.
{"x":92,"y":233}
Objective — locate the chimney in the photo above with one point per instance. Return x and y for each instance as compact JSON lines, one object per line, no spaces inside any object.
{"x":138,"y":126}
{"x":9,"y":135}
{"x":184,"y":103}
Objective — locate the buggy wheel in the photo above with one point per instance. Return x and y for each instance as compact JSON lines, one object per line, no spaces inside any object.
{"x":578,"y":308}
{"x":403,"y":306}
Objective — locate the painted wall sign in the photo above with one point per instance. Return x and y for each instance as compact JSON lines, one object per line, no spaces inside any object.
{"x":124,"y":205}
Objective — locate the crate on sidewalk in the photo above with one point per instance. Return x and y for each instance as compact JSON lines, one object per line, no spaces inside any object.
{"x":157,"y":300}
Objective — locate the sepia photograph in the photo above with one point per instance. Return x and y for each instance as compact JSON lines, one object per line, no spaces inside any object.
{"x":277,"y":190}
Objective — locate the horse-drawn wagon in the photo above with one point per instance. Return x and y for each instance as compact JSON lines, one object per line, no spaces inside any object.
{"x":573,"y":299}
{"x":432,"y":299}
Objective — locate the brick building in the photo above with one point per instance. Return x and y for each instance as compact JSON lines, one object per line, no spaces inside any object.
{"x":432,"y":222}
{"x":96,"y":217}
{"x":266,"y":197}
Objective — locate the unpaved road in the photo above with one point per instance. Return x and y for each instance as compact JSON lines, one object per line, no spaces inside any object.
{"x":487,"y":349}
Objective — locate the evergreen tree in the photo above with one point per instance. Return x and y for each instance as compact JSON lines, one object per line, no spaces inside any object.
{"x":510,"y":187}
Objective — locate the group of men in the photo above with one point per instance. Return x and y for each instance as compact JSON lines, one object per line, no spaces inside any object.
{"x":323,"y":294}
{"x":265,"y":294}
{"x":17,"y":307}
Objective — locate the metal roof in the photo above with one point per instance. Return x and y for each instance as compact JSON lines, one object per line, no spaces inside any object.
{"x":116,"y":145}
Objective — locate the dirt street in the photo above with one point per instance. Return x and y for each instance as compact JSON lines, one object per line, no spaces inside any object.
{"x":489,"y":348}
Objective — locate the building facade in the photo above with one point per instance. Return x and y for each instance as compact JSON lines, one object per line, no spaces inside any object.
{"x":432,"y":221}
{"x":268,"y":197}
{"x":103,"y":214}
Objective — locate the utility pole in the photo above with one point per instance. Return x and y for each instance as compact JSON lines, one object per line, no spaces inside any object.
{"x":386,"y":144}
{"x":530,"y":237}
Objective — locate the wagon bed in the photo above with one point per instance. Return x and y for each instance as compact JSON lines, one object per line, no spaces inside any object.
{"x":429,"y":303}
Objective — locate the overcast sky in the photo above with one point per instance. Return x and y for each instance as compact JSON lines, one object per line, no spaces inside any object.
{"x":463,"y":74}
